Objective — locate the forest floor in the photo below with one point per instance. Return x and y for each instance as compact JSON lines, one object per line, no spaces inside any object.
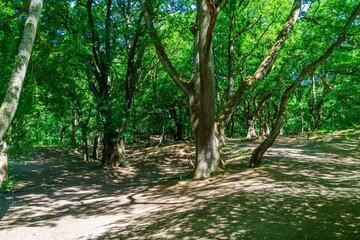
{"x":304,"y":190}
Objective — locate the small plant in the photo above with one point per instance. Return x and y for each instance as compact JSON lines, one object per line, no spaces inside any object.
{"x":8,"y":185}
{"x":180,"y":175}
{"x":123,"y":162}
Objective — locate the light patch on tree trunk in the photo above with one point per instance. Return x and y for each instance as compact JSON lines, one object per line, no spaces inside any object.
{"x":3,"y":162}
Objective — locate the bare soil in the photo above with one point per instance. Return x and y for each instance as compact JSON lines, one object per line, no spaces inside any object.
{"x":304,"y":190}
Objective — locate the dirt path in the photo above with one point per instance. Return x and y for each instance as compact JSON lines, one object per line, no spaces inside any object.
{"x":303,"y":191}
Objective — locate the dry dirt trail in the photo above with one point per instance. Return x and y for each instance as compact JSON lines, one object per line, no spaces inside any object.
{"x":304,"y":190}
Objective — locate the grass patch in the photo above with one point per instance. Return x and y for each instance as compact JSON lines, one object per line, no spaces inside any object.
{"x":351,"y":133}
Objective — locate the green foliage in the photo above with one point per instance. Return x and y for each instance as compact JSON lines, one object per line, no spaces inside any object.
{"x":60,"y":73}
{"x":8,"y":185}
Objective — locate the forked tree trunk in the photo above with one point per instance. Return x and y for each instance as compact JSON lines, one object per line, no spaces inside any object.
{"x":261,"y":149}
{"x":251,"y":127}
{"x":113,"y":154}
{"x":207,"y":153}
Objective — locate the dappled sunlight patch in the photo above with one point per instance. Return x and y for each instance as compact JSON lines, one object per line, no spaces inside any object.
{"x":299,"y":193}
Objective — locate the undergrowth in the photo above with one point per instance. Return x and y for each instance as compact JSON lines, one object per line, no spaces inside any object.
{"x":8,"y":185}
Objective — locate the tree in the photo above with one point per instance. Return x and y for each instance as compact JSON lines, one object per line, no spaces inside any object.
{"x":261,"y":149}
{"x":200,"y":90}
{"x":10,"y":103}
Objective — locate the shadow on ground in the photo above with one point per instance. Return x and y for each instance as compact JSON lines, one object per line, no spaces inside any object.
{"x":303,"y":191}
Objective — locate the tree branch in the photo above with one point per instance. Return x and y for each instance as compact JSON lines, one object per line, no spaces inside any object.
{"x":160,"y":50}
{"x":210,"y":31}
{"x":331,"y":89}
{"x":25,"y":9}
{"x":264,"y":68}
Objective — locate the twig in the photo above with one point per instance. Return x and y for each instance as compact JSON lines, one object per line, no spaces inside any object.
{"x":25,"y":9}
{"x":331,"y":89}
{"x":40,"y":39}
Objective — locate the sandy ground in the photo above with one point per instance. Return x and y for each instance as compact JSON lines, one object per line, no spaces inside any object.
{"x":305,"y":190}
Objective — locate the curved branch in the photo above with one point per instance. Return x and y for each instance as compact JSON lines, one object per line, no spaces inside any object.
{"x":331,"y":89}
{"x":160,"y":50}
{"x":25,"y":9}
{"x":265,"y":67}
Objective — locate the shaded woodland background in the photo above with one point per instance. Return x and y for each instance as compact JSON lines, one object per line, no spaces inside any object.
{"x":95,"y":77}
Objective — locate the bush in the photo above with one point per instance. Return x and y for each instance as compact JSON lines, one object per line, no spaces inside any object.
{"x":8,"y":185}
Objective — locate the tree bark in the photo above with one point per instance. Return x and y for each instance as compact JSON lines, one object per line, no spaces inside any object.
{"x":113,"y":154}
{"x":251,"y":127}
{"x":73,"y":129}
{"x":177,"y":131}
{"x":62,"y":132}
{"x":3,"y":162}
{"x":95,"y":154}
{"x":11,"y":100}
{"x":10,"y":103}
{"x":262,"y":123}
{"x":207,"y":153}
{"x":84,"y":131}
{"x":282,"y":130}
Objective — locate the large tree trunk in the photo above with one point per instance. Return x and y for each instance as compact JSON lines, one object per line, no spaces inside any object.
{"x":113,"y":154}
{"x":10,"y":103}
{"x":250,"y":122}
{"x":202,"y":103}
{"x":3,"y":162}
{"x":207,"y":153}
